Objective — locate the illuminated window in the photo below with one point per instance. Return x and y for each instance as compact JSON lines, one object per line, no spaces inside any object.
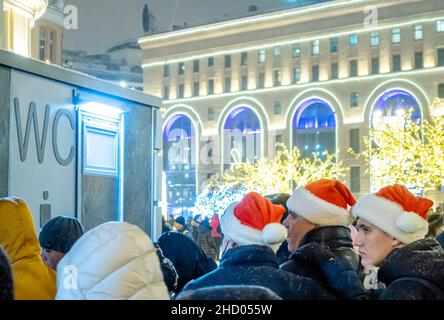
{"x":47,"y":43}
{"x":440,"y":25}
{"x":314,"y":129}
{"x":296,"y":50}
{"x":396,"y":35}
{"x":315,"y":47}
{"x":242,"y":138}
{"x":374,"y":41}
{"x":353,"y":39}
{"x":261,"y":56}
{"x":418,"y":33}
{"x":179,"y":143}
{"x":277,"y":51}
{"x":181,"y":68}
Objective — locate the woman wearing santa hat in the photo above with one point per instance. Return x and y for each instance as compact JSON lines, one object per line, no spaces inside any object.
{"x":252,"y":234}
{"x":392,"y":225}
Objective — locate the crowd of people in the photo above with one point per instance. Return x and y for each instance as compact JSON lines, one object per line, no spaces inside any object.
{"x":318,"y":243}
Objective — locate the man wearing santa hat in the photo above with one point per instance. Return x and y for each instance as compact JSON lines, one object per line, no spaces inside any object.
{"x":252,"y":234}
{"x":392,"y":225}
{"x":319,"y":213}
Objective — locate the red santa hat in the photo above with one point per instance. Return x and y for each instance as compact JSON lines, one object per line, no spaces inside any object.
{"x":396,"y":211}
{"x":324,"y":203}
{"x":254,"y":220}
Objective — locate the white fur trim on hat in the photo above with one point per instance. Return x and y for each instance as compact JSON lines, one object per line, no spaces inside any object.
{"x":271,"y":235}
{"x":317,"y":210}
{"x":391,"y":218}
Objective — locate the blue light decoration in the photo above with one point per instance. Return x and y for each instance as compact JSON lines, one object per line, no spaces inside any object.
{"x":247,"y":122}
{"x":392,"y":102}
{"x":180,"y":171}
{"x":314,"y":128}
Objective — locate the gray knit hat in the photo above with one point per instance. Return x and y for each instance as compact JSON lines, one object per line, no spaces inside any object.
{"x":60,"y":234}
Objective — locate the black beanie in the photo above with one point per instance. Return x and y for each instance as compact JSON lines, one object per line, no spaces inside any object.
{"x":6,"y":283}
{"x":180,"y":220}
{"x":60,"y":234}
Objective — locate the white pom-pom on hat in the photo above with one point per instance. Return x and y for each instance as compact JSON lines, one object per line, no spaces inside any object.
{"x":274,"y":233}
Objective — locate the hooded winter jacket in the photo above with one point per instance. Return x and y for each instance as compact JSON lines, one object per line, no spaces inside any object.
{"x":33,"y":280}
{"x":114,"y":261}
{"x":336,"y":238}
{"x":257,"y":265}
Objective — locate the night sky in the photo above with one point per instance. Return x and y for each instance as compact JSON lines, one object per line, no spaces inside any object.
{"x":102,"y":23}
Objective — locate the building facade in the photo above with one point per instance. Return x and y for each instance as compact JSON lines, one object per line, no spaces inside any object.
{"x":317,"y":77}
{"x":33,"y":28}
{"x":121,"y":64}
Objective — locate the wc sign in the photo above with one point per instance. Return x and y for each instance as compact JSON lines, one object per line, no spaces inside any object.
{"x":42,"y":148}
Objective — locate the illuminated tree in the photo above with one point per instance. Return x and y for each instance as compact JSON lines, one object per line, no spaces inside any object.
{"x":279,"y":175}
{"x":406,"y":151}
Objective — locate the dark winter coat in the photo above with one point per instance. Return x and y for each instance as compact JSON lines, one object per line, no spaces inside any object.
{"x":229,"y":293}
{"x":257,"y":265}
{"x":283,"y":254}
{"x":6,"y":282}
{"x":187,"y":257}
{"x":423,"y":259}
{"x":205,"y":240}
{"x":336,"y":238}
{"x":440,"y":239}
{"x":408,"y":273}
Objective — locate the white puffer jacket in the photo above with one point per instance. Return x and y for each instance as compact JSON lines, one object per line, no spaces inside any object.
{"x":114,"y":261}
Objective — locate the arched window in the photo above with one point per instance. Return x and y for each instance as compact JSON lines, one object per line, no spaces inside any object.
{"x":392,"y":105}
{"x":314,"y":128}
{"x":179,"y":165}
{"x":242,"y":136}
{"x":388,"y":113}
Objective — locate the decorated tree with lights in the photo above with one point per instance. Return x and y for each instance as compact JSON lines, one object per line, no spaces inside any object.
{"x":406,"y":151}
{"x":279,"y":175}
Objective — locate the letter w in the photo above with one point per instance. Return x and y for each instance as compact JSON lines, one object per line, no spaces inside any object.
{"x":32,"y":116}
